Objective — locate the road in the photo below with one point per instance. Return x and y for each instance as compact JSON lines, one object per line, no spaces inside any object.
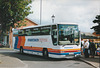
{"x":39,"y":62}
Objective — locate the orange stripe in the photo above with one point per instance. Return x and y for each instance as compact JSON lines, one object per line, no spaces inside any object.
{"x":33,"y":48}
{"x":22,"y":40}
{"x":19,"y":42}
{"x":59,"y":50}
{"x":49,"y":49}
{"x":70,"y":49}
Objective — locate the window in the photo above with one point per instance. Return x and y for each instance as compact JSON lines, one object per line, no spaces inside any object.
{"x":24,"y":32}
{"x":54,"y":34}
{"x":68,"y":34}
{"x":35,"y":31}
{"x":27,"y":32}
{"x":45,"y":30}
{"x":21,"y":32}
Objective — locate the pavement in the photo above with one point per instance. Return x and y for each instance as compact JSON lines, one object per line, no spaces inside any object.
{"x":11,"y":62}
{"x":95,"y":62}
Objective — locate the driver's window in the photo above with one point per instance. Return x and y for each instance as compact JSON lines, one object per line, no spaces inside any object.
{"x":54,"y":34}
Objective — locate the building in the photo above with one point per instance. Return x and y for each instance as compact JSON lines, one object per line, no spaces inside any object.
{"x":26,"y":21}
{"x":98,"y":36}
{"x":92,"y":36}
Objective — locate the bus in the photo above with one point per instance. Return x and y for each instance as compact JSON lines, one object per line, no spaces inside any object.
{"x":57,"y":40}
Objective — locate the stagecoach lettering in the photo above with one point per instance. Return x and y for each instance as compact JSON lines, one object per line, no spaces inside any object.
{"x":37,"y":40}
{"x":33,"y":40}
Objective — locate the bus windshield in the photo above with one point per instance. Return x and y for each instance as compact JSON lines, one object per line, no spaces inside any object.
{"x":68,"y":34}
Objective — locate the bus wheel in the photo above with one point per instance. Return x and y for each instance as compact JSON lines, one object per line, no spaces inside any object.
{"x":21,"y":50}
{"x":45,"y":53}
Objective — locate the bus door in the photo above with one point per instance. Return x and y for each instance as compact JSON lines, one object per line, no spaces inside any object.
{"x":54,"y":34}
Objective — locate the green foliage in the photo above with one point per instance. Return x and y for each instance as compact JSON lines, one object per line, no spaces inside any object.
{"x":22,"y":23}
{"x":97,"y":27}
{"x":12,"y":11}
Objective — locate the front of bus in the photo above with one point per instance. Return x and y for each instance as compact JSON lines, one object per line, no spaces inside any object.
{"x":69,"y":40}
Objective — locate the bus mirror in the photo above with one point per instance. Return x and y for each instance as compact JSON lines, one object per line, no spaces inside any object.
{"x":80,"y":37}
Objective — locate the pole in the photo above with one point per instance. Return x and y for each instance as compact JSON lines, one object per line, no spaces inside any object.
{"x":99,"y":55}
{"x":99,"y":59}
{"x":40,"y":11}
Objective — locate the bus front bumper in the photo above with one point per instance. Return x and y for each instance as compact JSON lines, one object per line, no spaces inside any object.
{"x":65,"y":56}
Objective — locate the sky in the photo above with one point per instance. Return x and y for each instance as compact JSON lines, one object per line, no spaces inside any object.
{"x":82,"y":12}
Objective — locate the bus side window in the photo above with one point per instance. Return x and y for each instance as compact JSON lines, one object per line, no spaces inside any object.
{"x":45,"y":30}
{"x":54,"y":34}
{"x":21,"y":32}
{"x":28,"y":32}
{"x":36,"y":31}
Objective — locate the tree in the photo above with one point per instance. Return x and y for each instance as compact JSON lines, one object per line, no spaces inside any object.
{"x":12,"y":11}
{"x":97,"y":27}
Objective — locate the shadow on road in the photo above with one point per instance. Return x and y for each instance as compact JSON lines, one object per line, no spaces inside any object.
{"x":30,"y":57}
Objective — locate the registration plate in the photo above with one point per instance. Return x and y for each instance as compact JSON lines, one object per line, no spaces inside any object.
{"x":71,"y":53}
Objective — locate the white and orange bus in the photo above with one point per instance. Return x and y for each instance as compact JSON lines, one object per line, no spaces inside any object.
{"x":58,"y":40}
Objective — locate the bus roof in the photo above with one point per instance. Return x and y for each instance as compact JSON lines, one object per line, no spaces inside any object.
{"x":50,"y":24}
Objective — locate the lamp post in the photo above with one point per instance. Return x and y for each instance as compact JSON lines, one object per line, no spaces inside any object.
{"x":53,"y":17}
{"x":40,"y":11}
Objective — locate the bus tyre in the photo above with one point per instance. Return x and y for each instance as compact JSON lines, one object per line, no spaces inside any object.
{"x":45,"y":53}
{"x":21,"y":50}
